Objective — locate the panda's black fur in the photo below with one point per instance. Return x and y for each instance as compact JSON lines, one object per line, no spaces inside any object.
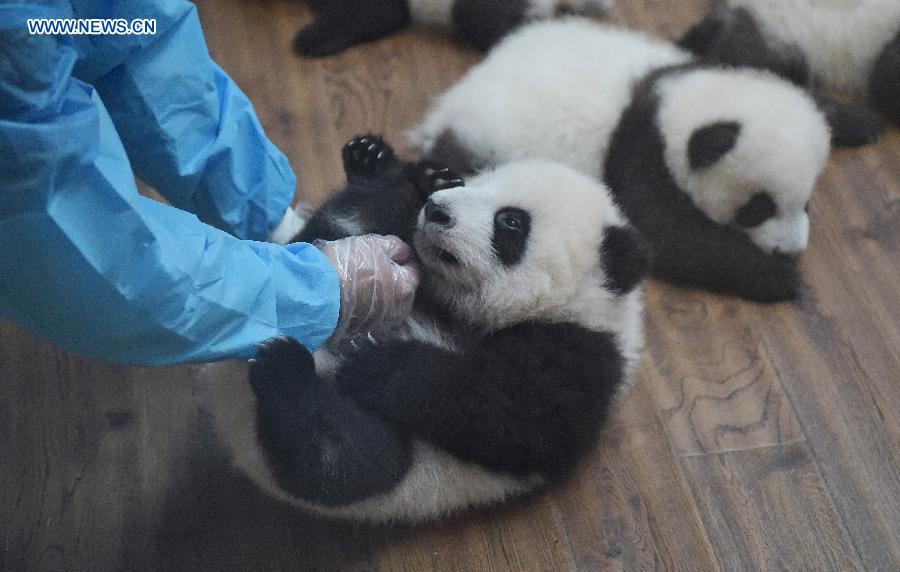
{"x":524,"y":401}
{"x":341,"y":24}
{"x":689,"y":248}
{"x":884,"y":82}
{"x":733,"y":35}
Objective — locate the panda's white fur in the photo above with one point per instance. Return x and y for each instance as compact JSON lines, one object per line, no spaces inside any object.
{"x":840,"y":39}
{"x":560,"y":278}
{"x":553,"y":90}
{"x":557,"y":90}
{"x":785,"y":163}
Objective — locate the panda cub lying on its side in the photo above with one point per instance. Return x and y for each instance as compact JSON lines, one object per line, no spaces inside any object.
{"x":526,"y":325}
{"x":340,"y":24}
{"x":850,"y":46}
{"x":714,"y":165}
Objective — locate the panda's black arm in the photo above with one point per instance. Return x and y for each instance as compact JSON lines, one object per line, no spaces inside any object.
{"x":524,"y":400}
{"x":383,"y":195}
{"x":692,"y":250}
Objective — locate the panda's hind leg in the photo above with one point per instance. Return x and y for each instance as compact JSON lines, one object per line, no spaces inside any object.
{"x":319,"y":446}
{"x":341,"y":24}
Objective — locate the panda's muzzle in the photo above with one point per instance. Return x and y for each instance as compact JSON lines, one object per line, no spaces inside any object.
{"x":435,"y":219}
{"x":438,"y":215}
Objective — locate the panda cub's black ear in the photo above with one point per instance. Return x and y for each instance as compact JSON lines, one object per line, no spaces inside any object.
{"x":710,"y":143}
{"x":851,"y":124}
{"x":626,"y":258}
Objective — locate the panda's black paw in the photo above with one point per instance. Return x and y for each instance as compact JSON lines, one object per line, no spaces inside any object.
{"x":282,"y":368}
{"x":323,"y":38}
{"x":367,"y":156}
{"x":781,"y":284}
{"x":430,"y":177}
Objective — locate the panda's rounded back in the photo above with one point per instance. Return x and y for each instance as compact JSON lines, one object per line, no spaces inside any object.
{"x":839,"y":39}
{"x":552,"y":90}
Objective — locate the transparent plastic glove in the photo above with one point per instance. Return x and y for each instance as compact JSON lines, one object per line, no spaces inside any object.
{"x":378,"y":282}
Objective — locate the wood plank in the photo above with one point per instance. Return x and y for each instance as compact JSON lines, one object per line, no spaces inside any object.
{"x":68,"y":441}
{"x":838,"y":351}
{"x":628,"y":506}
{"x":768,"y":509}
{"x":711,"y":379}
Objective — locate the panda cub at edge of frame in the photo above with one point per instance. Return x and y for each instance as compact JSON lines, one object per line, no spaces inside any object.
{"x":341,"y":24}
{"x":526,"y":326}
{"x":849,"y":46}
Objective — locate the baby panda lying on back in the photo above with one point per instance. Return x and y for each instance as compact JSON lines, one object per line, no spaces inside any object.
{"x":850,"y":46}
{"x":714,"y":165}
{"x":526,"y":325}
{"x":340,"y":24}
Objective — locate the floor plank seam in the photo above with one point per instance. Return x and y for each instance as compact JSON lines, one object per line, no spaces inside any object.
{"x":815,"y":458}
{"x":740,"y":449}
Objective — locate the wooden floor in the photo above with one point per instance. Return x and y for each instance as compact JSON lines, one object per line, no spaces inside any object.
{"x":756,"y":437}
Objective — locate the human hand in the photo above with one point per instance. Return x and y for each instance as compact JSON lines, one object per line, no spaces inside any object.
{"x":378,"y":281}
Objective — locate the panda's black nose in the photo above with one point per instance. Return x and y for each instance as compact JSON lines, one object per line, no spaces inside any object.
{"x":437,"y":214}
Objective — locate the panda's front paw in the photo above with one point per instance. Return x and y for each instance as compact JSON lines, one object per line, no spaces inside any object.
{"x":281,"y":369}
{"x":367,"y":155}
{"x":780,"y":283}
{"x":430,"y":177}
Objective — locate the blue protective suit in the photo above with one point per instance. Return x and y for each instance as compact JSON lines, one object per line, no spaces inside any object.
{"x":87,"y":262}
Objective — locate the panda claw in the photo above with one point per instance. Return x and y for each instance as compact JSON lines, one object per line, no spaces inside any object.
{"x":430,"y":178}
{"x":366,"y":155}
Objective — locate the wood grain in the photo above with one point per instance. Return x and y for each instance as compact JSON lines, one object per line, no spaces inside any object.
{"x":755,"y":437}
{"x":768,"y":509}
{"x":712,"y":381}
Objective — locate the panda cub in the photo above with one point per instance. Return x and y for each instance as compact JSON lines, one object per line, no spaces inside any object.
{"x":850,"y":46}
{"x":526,"y":325}
{"x":340,"y":24}
{"x":715,"y":166}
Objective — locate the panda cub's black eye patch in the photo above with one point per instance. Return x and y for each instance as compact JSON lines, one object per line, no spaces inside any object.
{"x":758,"y":210}
{"x":709,"y":144}
{"x":511,"y":229}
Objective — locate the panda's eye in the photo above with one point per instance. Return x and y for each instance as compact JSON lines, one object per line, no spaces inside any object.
{"x":509,"y":221}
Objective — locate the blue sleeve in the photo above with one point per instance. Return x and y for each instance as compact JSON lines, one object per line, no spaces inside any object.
{"x":88,"y":263}
{"x":188,"y":129}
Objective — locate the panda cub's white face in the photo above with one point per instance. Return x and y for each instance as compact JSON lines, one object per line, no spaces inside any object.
{"x":523,"y":242}
{"x":747,"y":147}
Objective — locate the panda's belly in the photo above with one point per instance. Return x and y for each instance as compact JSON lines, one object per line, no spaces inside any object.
{"x":436,"y":483}
{"x":840,"y":38}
